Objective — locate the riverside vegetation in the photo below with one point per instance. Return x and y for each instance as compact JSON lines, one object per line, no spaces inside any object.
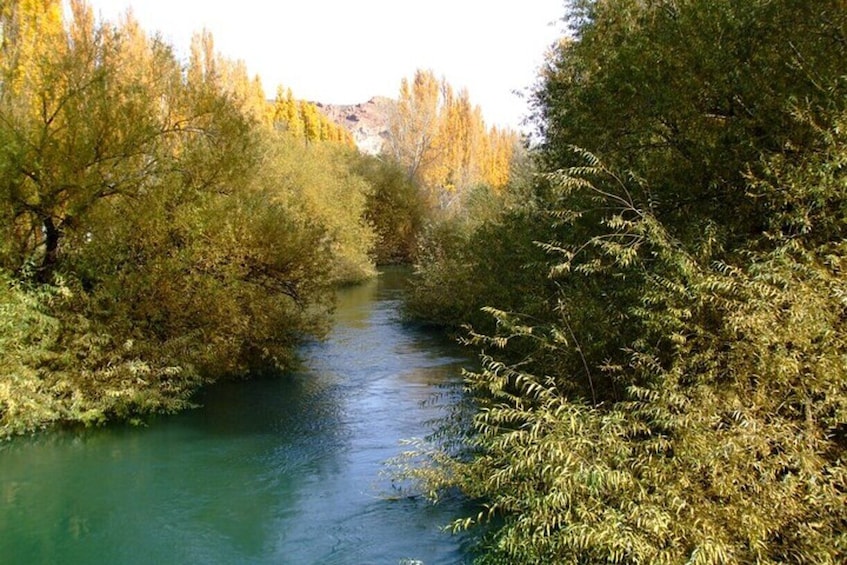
{"x":661,"y":312}
{"x":160,"y":229}
{"x":163,"y":225}
{"x":655,"y":288}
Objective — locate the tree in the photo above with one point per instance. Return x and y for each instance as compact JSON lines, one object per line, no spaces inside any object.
{"x":693,"y":120}
{"x":440,"y":138}
{"x":413,"y":123}
{"x":679,"y":396}
{"x":395,"y":208}
{"x":78,"y":129}
{"x":287,"y":113}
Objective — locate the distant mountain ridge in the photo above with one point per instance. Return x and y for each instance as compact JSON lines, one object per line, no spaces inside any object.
{"x":368,"y":121}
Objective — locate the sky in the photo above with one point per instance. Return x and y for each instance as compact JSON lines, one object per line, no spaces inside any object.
{"x":347,"y":51}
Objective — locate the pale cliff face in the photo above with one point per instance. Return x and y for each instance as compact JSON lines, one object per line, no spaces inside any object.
{"x":368,"y":122}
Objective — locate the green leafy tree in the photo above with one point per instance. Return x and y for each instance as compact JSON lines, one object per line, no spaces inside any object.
{"x":395,"y":207}
{"x":679,"y":397}
{"x":691,"y":95}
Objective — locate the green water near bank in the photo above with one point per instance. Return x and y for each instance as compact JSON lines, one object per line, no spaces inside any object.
{"x":282,"y":470}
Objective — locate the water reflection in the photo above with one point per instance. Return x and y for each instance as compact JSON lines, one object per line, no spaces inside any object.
{"x":354,"y":303}
{"x":273,"y":471}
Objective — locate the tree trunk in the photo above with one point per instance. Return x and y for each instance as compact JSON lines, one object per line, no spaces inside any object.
{"x":52,"y":234}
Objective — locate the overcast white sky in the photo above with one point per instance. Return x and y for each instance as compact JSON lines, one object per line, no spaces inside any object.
{"x":346,"y":51}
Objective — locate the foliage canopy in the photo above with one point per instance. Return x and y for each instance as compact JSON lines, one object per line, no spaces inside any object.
{"x":674,"y":390}
{"x":159,"y":229}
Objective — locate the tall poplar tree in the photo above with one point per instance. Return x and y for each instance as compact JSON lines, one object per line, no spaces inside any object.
{"x":440,"y":138}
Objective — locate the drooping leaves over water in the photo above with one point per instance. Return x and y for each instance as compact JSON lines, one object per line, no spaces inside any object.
{"x":672,"y":389}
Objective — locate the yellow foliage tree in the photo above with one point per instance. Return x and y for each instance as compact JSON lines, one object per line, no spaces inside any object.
{"x":287,"y":114}
{"x":304,"y":120}
{"x":413,"y":123}
{"x":441,"y":140}
{"x":311,"y":121}
{"x":31,"y":31}
{"x":229,"y":77}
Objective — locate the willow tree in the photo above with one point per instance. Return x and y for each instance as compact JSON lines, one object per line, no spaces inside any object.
{"x":78,"y":126}
{"x":681,"y":396}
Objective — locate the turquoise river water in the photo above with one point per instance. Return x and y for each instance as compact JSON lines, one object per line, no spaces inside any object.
{"x":284,"y":470}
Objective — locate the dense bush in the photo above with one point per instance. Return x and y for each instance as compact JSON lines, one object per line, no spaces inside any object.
{"x":157,"y":231}
{"x":681,"y":396}
{"x":716,"y":435}
{"x":477,"y":255}
{"x":322,"y":183}
{"x":396,"y":209}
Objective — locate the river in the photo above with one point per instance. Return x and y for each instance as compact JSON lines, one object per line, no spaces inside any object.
{"x":283,"y":470}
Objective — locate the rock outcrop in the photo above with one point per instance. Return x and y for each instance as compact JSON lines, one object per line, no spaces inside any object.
{"x":368,"y":121}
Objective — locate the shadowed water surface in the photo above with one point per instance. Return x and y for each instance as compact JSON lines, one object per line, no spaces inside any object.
{"x":274,"y":471}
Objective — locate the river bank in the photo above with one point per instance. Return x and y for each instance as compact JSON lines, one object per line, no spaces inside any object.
{"x":283,"y":470}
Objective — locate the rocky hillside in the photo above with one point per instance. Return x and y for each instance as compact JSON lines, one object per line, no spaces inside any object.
{"x":368,"y":121}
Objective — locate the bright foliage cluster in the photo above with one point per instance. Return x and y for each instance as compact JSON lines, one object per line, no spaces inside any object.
{"x":442,"y":141}
{"x":304,"y":120}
